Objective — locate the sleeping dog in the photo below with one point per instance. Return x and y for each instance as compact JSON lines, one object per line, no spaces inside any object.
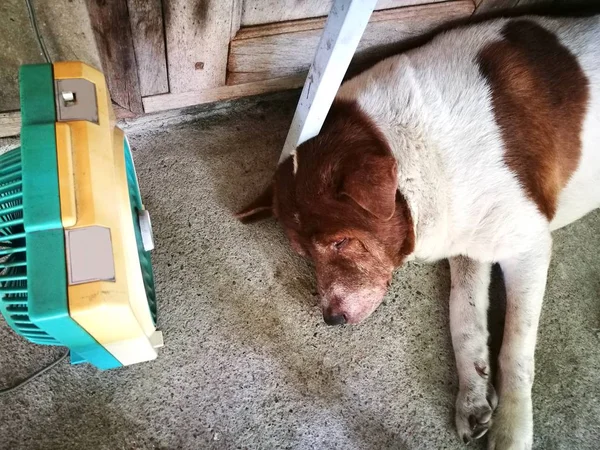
{"x":474,"y":147}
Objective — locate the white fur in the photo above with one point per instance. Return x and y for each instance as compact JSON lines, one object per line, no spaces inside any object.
{"x":476,"y":398}
{"x":434,"y":108}
{"x":582,"y":193}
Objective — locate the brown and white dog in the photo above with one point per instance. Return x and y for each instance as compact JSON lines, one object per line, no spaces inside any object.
{"x":473,"y":147}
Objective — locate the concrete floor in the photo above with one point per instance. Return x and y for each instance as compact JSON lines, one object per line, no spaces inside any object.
{"x":248,"y":362}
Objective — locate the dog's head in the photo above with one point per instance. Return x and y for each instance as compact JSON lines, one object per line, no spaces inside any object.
{"x":337,"y":200}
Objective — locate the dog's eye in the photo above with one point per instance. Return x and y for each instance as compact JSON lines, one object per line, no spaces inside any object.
{"x":338,"y":245}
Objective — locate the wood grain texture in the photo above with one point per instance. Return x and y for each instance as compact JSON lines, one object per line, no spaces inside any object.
{"x":486,"y":6}
{"x":10,"y":124}
{"x":197,"y":34}
{"x":122,"y":113}
{"x":258,"y":12}
{"x":148,"y":35}
{"x":273,"y":29}
{"x":110,"y":22}
{"x":288,"y":49}
{"x":491,"y":6}
{"x":182,"y":100}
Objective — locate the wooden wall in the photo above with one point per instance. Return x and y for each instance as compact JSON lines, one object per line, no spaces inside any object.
{"x":164,"y":54}
{"x":285,"y":49}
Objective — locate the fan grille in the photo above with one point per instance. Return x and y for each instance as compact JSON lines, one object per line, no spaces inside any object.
{"x":13,"y":260}
{"x":144,"y":256}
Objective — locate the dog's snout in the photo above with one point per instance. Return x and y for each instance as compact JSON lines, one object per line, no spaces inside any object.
{"x":334,"y":318}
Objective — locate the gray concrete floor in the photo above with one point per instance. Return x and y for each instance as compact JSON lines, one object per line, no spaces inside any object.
{"x":248,"y":362}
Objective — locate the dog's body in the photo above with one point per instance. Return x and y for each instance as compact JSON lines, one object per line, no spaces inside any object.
{"x":473,"y":148}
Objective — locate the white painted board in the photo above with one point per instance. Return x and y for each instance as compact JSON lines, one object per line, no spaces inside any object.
{"x":345,"y":26}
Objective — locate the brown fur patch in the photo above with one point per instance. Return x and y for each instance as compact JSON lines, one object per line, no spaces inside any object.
{"x":346,"y":179}
{"x":539,"y":95}
{"x":341,"y":208}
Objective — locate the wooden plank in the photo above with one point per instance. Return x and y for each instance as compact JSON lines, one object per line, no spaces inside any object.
{"x":258,"y":12}
{"x":493,"y":6}
{"x":527,"y":3}
{"x":486,"y":6}
{"x":289,"y":53}
{"x":489,"y":8}
{"x":197,"y":34}
{"x":182,"y":100}
{"x":10,"y":124}
{"x":122,"y":113}
{"x":273,"y":29}
{"x":343,"y":30}
{"x":110,"y":22}
{"x":148,"y":35}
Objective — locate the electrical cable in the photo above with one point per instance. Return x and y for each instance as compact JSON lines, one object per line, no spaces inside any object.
{"x":34,"y":375}
{"x":38,"y":37}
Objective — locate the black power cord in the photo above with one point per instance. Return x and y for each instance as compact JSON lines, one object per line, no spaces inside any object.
{"x":34,"y":375}
{"x":36,"y":31}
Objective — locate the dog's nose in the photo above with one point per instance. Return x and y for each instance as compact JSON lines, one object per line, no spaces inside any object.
{"x":334,"y":319}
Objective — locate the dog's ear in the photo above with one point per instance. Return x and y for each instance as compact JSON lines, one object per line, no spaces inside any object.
{"x":371,"y":182}
{"x":261,"y":208}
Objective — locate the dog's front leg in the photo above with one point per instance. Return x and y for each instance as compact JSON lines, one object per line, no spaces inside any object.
{"x":525,"y":280}
{"x":469,"y":300}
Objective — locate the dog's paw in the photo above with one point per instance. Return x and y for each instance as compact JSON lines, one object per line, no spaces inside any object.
{"x":474,"y":411}
{"x":513,"y":424}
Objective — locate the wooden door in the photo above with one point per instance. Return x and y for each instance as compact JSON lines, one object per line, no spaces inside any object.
{"x":164,"y":54}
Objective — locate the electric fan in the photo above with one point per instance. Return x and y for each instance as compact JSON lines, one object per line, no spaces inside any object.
{"x":75,"y":267}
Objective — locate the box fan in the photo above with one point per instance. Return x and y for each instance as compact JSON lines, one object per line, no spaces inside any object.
{"x":75,"y":266}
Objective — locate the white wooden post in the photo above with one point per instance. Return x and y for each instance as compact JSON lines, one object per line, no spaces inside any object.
{"x":345,"y":25}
